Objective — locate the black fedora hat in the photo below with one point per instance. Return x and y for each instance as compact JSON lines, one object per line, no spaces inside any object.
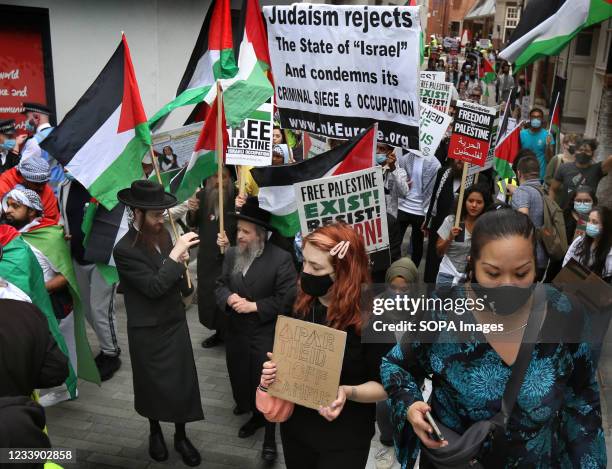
{"x":251,"y":212}
{"x":146,"y":195}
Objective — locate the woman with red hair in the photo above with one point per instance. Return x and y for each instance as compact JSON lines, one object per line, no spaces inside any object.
{"x":335,"y":271}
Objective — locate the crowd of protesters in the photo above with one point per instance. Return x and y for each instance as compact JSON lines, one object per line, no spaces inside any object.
{"x":247,"y":275}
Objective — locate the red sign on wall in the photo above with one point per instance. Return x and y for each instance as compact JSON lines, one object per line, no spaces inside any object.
{"x":22,"y":71}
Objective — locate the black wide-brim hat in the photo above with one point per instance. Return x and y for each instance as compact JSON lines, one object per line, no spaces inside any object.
{"x":146,"y":195}
{"x":251,"y":212}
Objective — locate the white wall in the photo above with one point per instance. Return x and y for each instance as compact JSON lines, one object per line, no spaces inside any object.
{"x":161,"y":35}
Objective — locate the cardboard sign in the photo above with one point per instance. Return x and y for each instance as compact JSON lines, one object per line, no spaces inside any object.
{"x":436,"y":94}
{"x":433,"y":127}
{"x":250,"y":144}
{"x":472,"y":130}
{"x":340,"y":68}
{"x":356,"y":198}
{"x":309,"y":359}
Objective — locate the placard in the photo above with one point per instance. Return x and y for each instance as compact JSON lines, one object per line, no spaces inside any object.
{"x":490,"y":161}
{"x":356,"y":198}
{"x":250,"y":144}
{"x":433,"y":127}
{"x":314,"y":145}
{"x":308,"y":361}
{"x":340,"y":68}
{"x":436,"y":94}
{"x":472,"y":129}
{"x":440,"y":77}
{"x":181,"y":142}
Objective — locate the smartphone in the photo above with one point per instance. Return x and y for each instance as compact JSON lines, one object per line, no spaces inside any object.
{"x":437,"y":434}
{"x":461,"y":236}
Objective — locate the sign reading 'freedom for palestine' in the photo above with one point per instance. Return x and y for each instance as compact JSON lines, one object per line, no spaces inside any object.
{"x":338,"y":69}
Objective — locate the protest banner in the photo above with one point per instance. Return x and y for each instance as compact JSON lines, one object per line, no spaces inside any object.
{"x":440,"y":77}
{"x":490,"y":160}
{"x":338,"y":69}
{"x":436,"y":94}
{"x":250,"y":144}
{"x":181,"y":142}
{"x":308,"y":359}
{"x":433,"y":126}
{"x":356,"y":198}
{"x":472,"y":131}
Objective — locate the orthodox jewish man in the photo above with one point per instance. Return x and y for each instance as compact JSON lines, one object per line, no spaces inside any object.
{"x":152,"y":274}
{"x":256,"y":281}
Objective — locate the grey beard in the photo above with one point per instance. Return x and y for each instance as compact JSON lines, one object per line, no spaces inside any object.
{"x":245,"y":258}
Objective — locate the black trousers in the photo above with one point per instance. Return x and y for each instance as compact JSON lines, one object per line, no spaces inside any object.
{"x":405,"y":220}
{"x":300,"y":456}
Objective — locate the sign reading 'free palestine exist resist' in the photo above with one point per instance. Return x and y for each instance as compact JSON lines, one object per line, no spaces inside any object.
{"x":309,"y":359}
{"x":338,"y":69}
{"x":356,"y":198}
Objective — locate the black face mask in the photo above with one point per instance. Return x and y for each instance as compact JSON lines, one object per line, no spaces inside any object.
{"x":316,"y":285}
{"x":505,"y":299}
{"x":583,"y":158}
{"x":571,"y":149}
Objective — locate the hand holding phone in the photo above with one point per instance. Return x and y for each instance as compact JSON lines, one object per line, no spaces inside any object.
{"x":436,"y":435}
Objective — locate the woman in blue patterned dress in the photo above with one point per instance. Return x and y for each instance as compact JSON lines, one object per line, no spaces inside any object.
{"x":556,"y":421}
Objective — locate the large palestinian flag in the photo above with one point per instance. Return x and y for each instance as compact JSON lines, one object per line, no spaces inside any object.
{"x":212,"y":59}
{"x":547,"y":26}
{"x":102,"y":140}
{"x":20,"y":268}
{"x":51,"y":242}
{"x":276,"y":182}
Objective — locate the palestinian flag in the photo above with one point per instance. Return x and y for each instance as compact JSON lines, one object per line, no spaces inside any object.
{"x":547,"y":26}
{"x":103,"y":229}
{"x":203,"y":162}
{"x":20,"y":268}
{"x":276,"y":182}
{"x":212,"y":59}
{"x":487,"y":72}
{"x":51,"y":242}
{"x":505,"y":153}
{"x":555,"y":118}
{"x":102,"y":140}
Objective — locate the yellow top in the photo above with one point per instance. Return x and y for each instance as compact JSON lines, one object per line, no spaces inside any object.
{"x":249,"y":184}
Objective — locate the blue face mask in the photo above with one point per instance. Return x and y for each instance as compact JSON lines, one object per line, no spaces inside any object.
{"x":381,"y":158}
{"x":536,"y":123}
{"x":8,"y":144}
{"x":30,"y":127}
{"x":592,"y":230}
{"x":583,"y":207}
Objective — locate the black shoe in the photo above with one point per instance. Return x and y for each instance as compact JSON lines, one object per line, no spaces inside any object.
{"x":190,"y":455}
{"x":157,"y":447}
{"x":268,"y":452}
{"x":212,"y":341}
{"x":107,"y":365}
{"x":249,"y":428}
{"x":238,"y":411}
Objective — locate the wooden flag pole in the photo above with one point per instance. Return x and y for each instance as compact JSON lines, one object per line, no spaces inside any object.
{"x":174,"y":230}
{"x":461,"y":193}
{"x":220,"y":158}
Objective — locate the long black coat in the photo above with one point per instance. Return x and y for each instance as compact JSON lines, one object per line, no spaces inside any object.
{"x":165,"y":380}
{"x":210,"y":261}
{"x":270,"y":282}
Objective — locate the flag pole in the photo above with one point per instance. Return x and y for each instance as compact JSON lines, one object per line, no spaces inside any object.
{"x":220,"y":158}
{"x":461,"y":194}
{"x":172,"y":224}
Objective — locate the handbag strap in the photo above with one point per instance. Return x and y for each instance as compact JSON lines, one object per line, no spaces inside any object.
{"x":519,"y":368}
